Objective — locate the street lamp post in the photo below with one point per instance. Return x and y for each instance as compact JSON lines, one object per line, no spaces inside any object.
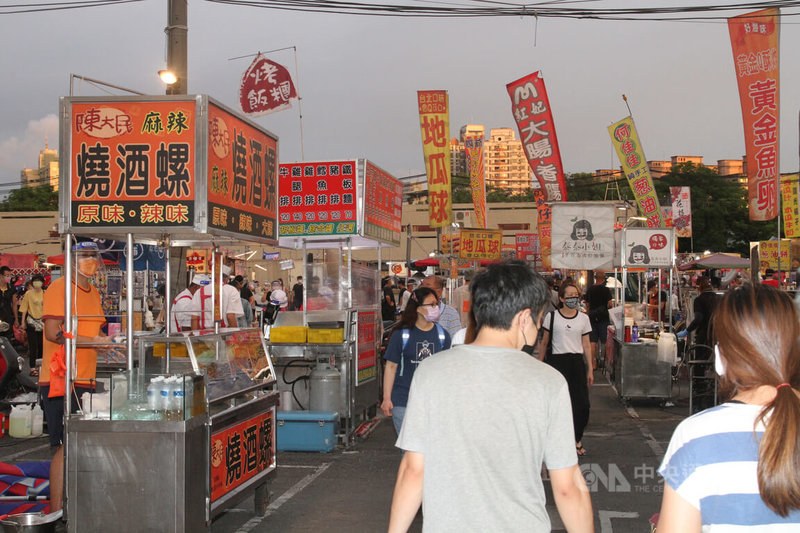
{"x":177,"y":31}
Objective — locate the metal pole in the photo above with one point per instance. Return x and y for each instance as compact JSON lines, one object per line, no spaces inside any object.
{"x":129,"y":299}
{"x":299,"y":104}
{"x":408,"y":250}
{"x":68,"y":344}
{"x":177,"y":31}
{"x":168,"y":302}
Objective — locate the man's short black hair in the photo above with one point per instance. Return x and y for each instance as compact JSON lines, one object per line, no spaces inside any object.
{"x":4,"y":269}
{"x":503,"y":290}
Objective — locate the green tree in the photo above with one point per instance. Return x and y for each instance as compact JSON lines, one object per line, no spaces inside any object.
{"x":720,"y":217}
{"x":41,"y":198}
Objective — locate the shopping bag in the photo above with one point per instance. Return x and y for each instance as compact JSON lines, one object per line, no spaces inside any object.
{"x":21,"y":335}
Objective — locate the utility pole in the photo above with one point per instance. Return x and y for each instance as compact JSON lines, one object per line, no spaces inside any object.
{"x":177,"y":31}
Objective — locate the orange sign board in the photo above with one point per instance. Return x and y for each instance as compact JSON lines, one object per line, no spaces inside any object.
{"x":131,"y":164}
{"x":240,"y":452}
{"x":481,"y":244}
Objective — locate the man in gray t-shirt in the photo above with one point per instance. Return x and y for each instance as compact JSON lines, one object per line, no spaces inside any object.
{"x":483,"y":418}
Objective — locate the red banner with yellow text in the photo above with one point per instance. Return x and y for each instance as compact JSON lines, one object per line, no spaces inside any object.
{"x":434,"y":121}
{"x":754,"y":40}
{"x":531,"y":109}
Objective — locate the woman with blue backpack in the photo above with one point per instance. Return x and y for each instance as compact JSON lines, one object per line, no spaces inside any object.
{"x":416,"y":337}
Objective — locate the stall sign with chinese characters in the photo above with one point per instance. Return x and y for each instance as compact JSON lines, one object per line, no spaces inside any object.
{"x":473,"y":150}
{"x":583,"y":236}
{"x":542,"y":208}
{"x":242,"y":165}
{"x":681,"y":210}
{"x":755,"y":45}
{"x":266,"y":87}
{"x":383,"y":205}
{"x":367,"y":326}
{"x":197,"y":260}
{"x":528,"y":247}
{"x":648,"y":248}
{"x":132,"y":164}
{"x":434,"y":121}
{"x":240,"y":452}
{"x":481,"y":244}
{"x":534,"y":118}
{"x":768,"y":254}
{"x":634,"y":166}
{"x":318,"y":198}
{"x":791,"y":214}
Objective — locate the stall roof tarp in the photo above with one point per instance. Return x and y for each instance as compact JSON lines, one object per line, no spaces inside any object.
{"x":433,"y":262}
{"x":59,"y":260}
{"x":717,"y":260}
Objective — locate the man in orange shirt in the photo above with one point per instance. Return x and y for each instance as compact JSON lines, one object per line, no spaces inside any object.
{"x":87,"y":308}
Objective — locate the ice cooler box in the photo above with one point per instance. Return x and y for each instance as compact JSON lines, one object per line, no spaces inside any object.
{"x":306,"y":431}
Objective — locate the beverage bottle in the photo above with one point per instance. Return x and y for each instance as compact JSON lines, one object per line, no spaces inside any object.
{"x":164,"y":398}
{"x":189,"y":396}
{"x":176,"y":389}
{"x":635,"y":333}
{"x":38,"y":421}
{"x":153,"y":393}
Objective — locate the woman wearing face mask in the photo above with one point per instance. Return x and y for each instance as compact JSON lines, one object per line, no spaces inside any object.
{"x":566,"y":331}
{"x":31,"y":310}
{"x":734,"y":467}
{"x":415,"y":338}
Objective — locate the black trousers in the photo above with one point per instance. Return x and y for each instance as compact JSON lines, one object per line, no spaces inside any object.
{"x":573,"y":367}
{"x":34,"y":345}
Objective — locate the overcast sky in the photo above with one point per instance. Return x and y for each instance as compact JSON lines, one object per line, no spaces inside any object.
{"x":358,"y":78}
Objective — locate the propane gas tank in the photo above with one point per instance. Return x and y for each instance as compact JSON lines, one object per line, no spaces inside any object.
{"x":324,"y":393}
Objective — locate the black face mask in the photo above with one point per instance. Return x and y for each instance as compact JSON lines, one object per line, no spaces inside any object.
{"x":528,"y":349}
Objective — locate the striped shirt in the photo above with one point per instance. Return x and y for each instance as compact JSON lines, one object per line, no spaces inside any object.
{"x":712,"y":462}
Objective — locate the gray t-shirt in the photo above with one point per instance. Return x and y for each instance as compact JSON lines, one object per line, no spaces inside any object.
{"x":485,"y":419}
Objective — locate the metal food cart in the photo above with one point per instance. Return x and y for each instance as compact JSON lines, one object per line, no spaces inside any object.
{"x":359,"y":208}
{"x":637,"y":371}
{"x":173,"y":171}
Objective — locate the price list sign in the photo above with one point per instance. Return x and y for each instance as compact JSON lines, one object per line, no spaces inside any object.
{"x":317,"y":198}
{"x":131,"y":163}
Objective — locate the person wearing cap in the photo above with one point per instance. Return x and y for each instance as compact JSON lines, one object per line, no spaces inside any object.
{"x":230,"y":304}
{"x":181,"y":312}
{"x":90,"y":342}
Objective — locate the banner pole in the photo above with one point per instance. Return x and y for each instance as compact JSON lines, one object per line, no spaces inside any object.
{"x":299,"y":105}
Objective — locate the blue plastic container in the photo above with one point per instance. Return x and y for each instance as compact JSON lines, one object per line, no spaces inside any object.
{"x":306,"y":431}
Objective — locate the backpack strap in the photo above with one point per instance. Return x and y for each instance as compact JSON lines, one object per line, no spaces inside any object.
{"x":440,"y":331}
{"x":406,"y":334}
{"x":550,"y":337}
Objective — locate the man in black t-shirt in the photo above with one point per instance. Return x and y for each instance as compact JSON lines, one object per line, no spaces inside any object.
{"x":388,"y":304}
{"x":297,"y":294}
{"x":598,"y":301}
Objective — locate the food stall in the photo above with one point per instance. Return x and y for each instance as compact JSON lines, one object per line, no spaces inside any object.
{"x":189,"y":427}
{"x":328,"y":210}
{"x":632,"y":353}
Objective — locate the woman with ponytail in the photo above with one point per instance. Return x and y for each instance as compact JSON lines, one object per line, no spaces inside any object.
{"x":736,"y":467}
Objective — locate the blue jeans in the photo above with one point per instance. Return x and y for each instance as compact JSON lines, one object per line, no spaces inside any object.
{"x":398,"y":413}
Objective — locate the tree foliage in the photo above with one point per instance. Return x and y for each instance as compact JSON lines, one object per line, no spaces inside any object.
{"x":41,"y":198}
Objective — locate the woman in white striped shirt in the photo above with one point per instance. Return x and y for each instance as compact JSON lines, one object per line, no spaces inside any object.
{"x":734,"y":467}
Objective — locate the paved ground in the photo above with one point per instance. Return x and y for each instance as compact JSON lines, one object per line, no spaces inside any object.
{"x":350,"y":490}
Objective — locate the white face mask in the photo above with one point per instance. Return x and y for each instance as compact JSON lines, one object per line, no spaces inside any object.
{"x":719,"y":362}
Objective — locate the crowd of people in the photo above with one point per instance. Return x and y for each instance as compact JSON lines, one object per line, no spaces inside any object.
{"x":731,"y":466}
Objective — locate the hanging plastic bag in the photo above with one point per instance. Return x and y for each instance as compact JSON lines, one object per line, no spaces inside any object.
{"x":21,"y":335}
{"x":667,"y":348}
{"x":58,"y":373}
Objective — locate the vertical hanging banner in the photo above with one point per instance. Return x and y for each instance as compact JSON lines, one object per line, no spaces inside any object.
{"x":434,"y":121}
{"x":582,"y":236}
{"x":531,"y":109}
{"x":681,"y":198}
{"x":266,"y":87}
{"x":790,"y":208}
{"x":544,"y":225}
{"x":473,"y":149}
{"x":634,"y":166}
{"x":754,"y":40}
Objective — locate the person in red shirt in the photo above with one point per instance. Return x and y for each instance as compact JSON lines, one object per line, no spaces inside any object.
{"x":770,"y":278}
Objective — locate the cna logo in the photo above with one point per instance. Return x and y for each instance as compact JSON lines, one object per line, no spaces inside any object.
{"x":612,"y":480}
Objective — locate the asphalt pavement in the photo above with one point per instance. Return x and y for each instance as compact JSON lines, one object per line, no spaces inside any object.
{"x":350,"y":490}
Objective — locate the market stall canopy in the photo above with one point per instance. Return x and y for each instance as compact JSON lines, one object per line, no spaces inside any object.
{"x":717,"y":260}
{"x":433,"y":262}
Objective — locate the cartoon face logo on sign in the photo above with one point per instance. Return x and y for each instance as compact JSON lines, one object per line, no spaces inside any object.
{"x":639,"y":254}
{"x":582,"y":231}
{"x":220,"y":137}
